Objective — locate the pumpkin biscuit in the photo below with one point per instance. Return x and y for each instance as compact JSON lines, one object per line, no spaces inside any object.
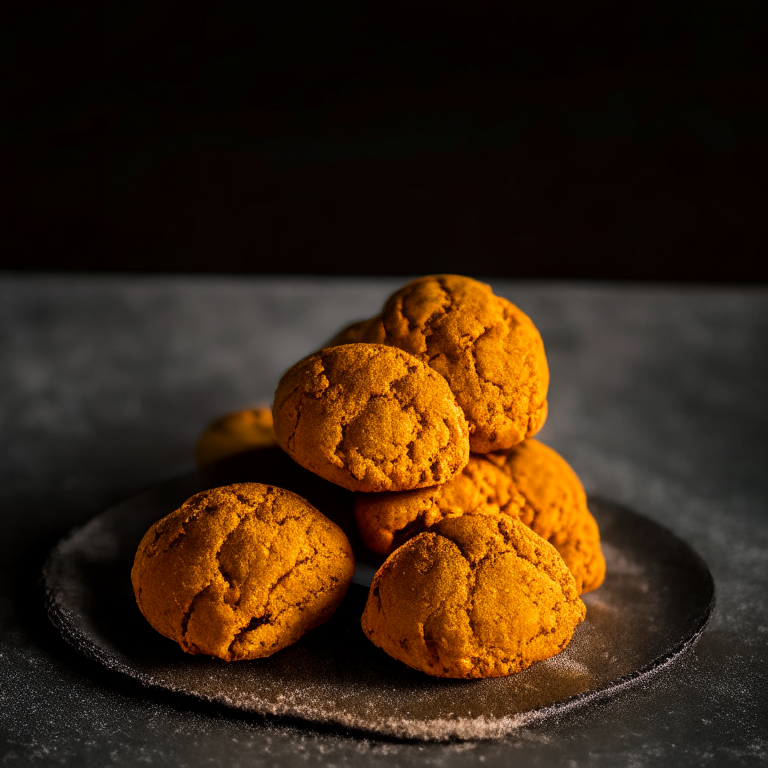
{"x":370,"y":417}
{"x":241,"y":571}
{"x":555,"y":507}
{"x":387,"y":520}
{"x":487,"y":349}
{"x":475,"y":596}
{"x":234,"y":433}
{"x":370,"y":331}
{"x":530,"y":481}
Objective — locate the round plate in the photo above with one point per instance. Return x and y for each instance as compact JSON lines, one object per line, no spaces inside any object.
{"x":655,"y":602}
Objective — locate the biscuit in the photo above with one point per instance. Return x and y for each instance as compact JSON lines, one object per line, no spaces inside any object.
{"x":387,"y":520}
{"x":487,"y":349}
{"x":241,"y":571}
{"x":234,"y":433}
{"x":370,"y":331}
{"x":475,"y":596}
{"x":555,"y":507}
{"x":370,"y":417}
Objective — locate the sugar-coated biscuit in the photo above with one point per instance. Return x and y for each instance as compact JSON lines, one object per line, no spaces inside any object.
{"x":371,"y":418}
{"x":475,"y":596}
{"x":234,"y":433}
{"x":488,"y":350}
{"x":241,"y":571}
{"x":555,"y":507}
{"x":387,"y":520}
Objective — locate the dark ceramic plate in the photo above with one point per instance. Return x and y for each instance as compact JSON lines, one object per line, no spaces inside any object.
{"x":655,"y":602}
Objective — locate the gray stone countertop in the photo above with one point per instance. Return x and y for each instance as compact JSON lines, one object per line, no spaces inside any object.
{"x":659,"y":400}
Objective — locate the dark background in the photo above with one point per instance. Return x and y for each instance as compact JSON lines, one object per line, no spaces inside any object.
{"x":608,"y":141}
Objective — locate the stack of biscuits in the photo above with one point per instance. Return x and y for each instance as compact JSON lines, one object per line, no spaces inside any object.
{"x":427,"y":413}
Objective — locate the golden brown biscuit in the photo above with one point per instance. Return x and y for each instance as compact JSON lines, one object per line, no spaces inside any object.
{"x":488,"y":350}
{"x":555,"y":507}
{"x":370,"y":331}
{"x":371,"y":418}
{"x":234,"y":433}
{"x":387,"y":520}
{"x":242,"y":571}
{"x":475,"y":596}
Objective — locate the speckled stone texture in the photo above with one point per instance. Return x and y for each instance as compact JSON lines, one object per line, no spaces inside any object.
{"x":657,"y":400}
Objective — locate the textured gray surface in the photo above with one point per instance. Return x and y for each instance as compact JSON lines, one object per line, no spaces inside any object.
{"x":659,"y":399}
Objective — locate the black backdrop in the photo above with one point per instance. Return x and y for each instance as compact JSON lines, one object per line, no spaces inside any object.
{"x":610,"y":141}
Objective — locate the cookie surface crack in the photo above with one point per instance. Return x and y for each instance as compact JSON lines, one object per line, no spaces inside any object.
{"x":188,"y":614}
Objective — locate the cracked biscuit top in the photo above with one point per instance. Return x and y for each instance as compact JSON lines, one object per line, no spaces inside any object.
{"x":475,"y":596}
{"x":487,"y":349}
{"x":387,"y":520}
{"x":370,"y":417}
{"x":555,"y":506}
{"x":242,"y":571}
